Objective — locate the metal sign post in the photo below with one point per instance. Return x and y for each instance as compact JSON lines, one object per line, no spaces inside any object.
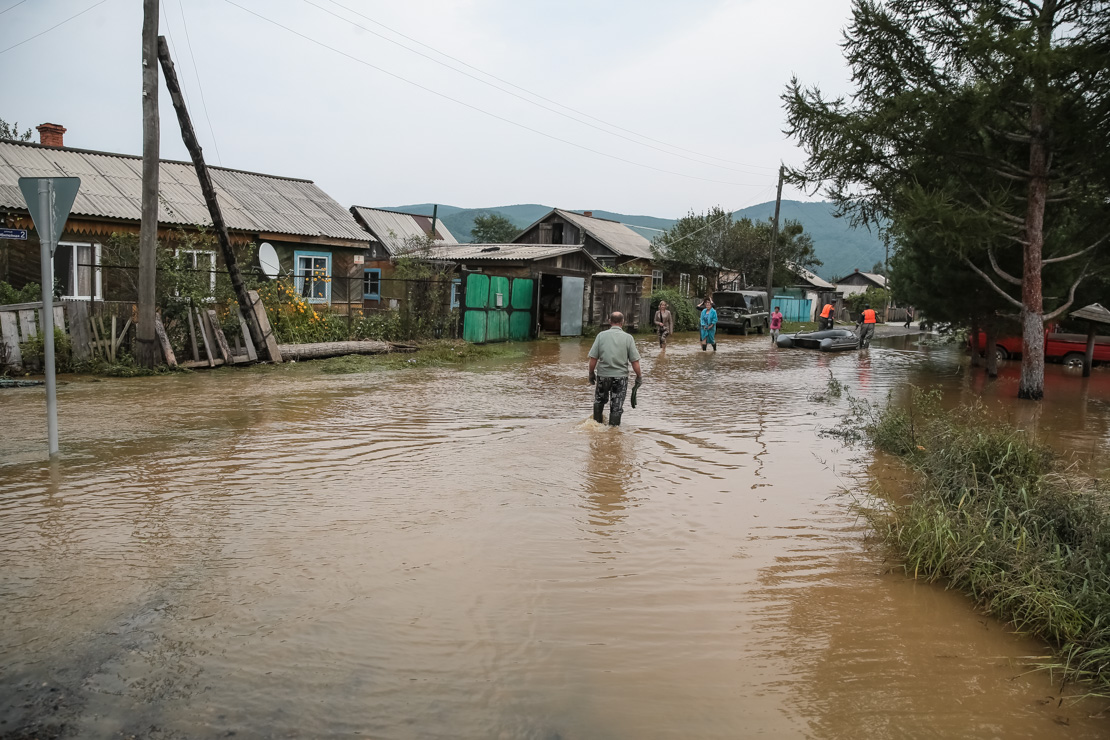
{"x":49,"y":200}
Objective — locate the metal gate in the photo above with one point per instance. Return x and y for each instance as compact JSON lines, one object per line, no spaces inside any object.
{"x":570,"y":312}
{"x":793,"y":309}
{"x":496,"y":308}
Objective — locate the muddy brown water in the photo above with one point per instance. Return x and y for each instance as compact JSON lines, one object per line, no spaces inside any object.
{"x":461,"y":553}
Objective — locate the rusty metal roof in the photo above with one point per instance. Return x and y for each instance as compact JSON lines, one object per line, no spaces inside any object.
{"x":111,"y":187}
{"x":391,"y":228}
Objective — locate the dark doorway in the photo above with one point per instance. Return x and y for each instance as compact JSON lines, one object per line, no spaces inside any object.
{"x":551,"y":302}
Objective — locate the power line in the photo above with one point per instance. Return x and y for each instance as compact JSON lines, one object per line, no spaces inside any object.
{"x":483,"y":111}
{"x":521,"y":97}
{"x":5,"y":10}
{"x":200,"y":85}
{"x":67,"y":20}
{"x":728,"y":215}
{"x":173,"y":47}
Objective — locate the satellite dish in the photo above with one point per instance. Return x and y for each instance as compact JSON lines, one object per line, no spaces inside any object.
{"x":268,"y":260}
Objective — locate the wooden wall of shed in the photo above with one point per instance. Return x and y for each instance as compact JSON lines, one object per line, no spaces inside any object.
{"x":616,"y":293}
{"x":543,"y":232}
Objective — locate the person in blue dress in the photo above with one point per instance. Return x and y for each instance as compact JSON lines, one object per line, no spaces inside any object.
{"x":708,"y":325}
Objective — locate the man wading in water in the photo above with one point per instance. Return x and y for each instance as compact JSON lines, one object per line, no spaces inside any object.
{"x":610,"y":357}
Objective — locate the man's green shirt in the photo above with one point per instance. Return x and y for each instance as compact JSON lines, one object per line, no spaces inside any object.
{"x":614,"y":351}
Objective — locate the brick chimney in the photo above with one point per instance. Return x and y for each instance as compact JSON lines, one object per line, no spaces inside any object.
{"x":588,"y":214}
{"x":50,"y":134}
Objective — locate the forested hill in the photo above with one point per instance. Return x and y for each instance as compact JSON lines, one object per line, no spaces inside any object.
{"x":840,"y":248}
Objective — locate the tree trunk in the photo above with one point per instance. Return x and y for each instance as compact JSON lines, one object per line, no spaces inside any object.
{"x":1031,"y":386}
{"x":146,"y":345}
{"x":974,"y":337}
{"x":320,"y":350}
{"x":991,"y":350}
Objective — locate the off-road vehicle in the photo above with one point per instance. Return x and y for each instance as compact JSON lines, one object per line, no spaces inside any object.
{"x":739,"y":311}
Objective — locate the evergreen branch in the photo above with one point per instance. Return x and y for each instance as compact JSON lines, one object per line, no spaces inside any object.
{"x":1065,"y":258}
{"x":991,"y":283}
{"x":1002,"y":273}
{"x":1071,"y":297}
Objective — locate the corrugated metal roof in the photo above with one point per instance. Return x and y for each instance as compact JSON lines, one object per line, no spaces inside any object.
{"x":811,"y":277}
{"x":111,"y":187}
{"x":391,"y":228}
{"x":618,"y":237}
{"x":506,"y":252}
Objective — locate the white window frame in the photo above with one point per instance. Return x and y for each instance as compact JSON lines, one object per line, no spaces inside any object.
{"x":703,"y":285}
{"x":299,"y":274}
{"x":684,"y":283}
{"x":656,"y":279}
{"x":98,"y":291}
{"x":212,"y":273}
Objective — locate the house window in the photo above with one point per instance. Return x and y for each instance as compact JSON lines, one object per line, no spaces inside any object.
{"x":201,"y":261}
{"x":656,"y":279}
{"x":77,"y":270}
{"x":556,"y":233}
{"x":684,"y":283}
{"x":372,"y":284}
{"x":456,"y":286}
{"x":702,"y":285}
{"x":312,"y":276}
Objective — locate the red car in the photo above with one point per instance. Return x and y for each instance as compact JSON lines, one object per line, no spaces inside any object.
{"x":1060,"y":346}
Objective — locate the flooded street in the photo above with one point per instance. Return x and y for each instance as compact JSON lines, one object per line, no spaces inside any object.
{"x":462,"y":553}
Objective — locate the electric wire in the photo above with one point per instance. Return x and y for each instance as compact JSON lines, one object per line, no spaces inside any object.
{"x":200,"y":85}
{"x":525,"y":99}
{"x":541,"y":97}
{"x":173,"y":49}
{"x":728,"y":215}
{"x":483,"y":111}
{"x":10,"y":7}
{"x":67,"y":20}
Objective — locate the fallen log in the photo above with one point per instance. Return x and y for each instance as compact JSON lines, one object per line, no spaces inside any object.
{"x":321,"y":350}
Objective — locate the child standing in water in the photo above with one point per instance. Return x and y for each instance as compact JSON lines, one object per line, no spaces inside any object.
{"x":664,"y":323}
{"x":776,"y":325}
{"x":708,"y":325}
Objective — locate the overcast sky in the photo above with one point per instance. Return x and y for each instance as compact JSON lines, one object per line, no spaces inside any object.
{"x":654,"y":107}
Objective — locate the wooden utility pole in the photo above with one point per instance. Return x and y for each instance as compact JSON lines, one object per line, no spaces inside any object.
{"x":247,"y":307}
{"x":146,"y":347}
{"x":774,"y":241}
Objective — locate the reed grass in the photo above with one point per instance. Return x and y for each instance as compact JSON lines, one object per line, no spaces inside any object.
{"x":1004,"y":519}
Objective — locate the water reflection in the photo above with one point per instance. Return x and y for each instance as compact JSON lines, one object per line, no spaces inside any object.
{"x":611,"y":472}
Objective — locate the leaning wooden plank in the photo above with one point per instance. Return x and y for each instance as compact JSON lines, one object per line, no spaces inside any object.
{"x":122,"y":335}
{"x":9,"y":341}
{"x":335,"y":349}
{"x":27,"y":326}
{"x":259,"y":312}
{"x":218,"y":333}
{"x":164,"y":340}
{"x":208,"y":352}
{"x":97,"y":344}
{"x":36,"y":305}
{"x":252,"y":355}
{"x":79,"y":329}
{"x":192,"y":336}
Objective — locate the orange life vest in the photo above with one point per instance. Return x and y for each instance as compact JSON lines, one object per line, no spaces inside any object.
{"x":869,"y":316}
{"x":826,"y":311}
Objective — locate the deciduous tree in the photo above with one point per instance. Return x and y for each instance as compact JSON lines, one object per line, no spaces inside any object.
{"x":493,"y":228}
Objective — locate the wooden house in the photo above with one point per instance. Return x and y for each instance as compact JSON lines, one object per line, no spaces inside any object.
{"x":858,"y":282}
{"x":320,"y":247}
{"x":391,"y":233}
{"x":518,"y":291}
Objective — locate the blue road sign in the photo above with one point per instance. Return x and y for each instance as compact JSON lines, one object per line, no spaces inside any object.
{"x":13,"y":233}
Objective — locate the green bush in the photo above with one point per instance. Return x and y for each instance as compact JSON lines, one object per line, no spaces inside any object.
{"x":1004,"y":519}
{"x":29,"y":293}
{"x":33,"y":351}
{"x":685,"y":314}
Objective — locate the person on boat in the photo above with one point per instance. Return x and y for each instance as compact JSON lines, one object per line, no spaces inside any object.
{"x":708,"y":325}
{"x":664,"y":323}
{"x":611,"y":354}
{"x":866,"y":326}
{"x":826,"y":321}
{"x":776,"y":324}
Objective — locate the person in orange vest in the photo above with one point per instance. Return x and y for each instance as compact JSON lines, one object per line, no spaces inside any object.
{"x":866,"y":327}
{"x":826,"y":321}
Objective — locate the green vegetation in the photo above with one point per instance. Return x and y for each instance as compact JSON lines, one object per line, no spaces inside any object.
{"x":685,"y":314}
{"x":492,"y":228}
{"x":1002,"y":518}
{"x":433,"y":354}
{"x":877,"y":298}
{"x":11,"y":131}
{"x":29,"y":293}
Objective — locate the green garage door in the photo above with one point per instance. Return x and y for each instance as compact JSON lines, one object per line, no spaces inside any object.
{"x":485,"y":321}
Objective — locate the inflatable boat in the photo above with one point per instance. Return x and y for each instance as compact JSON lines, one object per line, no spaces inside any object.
{"x":830,"y":340}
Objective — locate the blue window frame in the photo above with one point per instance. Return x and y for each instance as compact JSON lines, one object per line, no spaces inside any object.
{"x":372,"y":284}
{"x":456,"y":284}
{"x":312,"y":276}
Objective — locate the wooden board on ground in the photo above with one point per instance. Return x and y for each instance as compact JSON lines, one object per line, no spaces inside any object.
{"x":201,"y":364}
{"x":79,"y":329}
{"x":9,"y":339}
{"x":252,"y":355}
{"x":208,"y":352}
{"x":164,"y":340}
{"x":334,"y":349}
